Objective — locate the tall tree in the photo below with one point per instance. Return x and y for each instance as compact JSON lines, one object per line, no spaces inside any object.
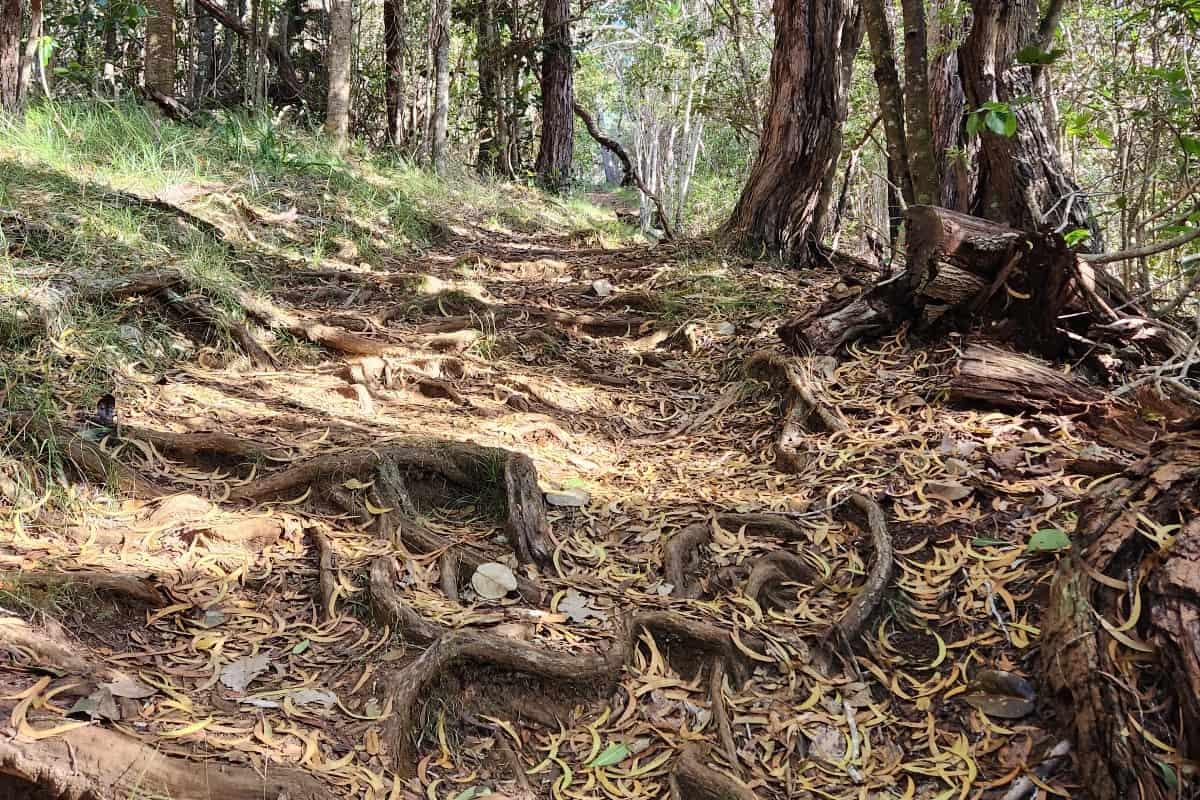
{"x":440,"y":32}
{"x":891,"y":97}
{"x":489,"y":123}
{"x":29,"y":59}
{"x":923,"y":165}
{"x":341,"y":43}
{"x":557,"y":146}
{"x":393,"y":44}
{"x":802,"y":133}
{"x":10,"y":54}
{"x":160,"y":47}
{"x":1022,"y":180}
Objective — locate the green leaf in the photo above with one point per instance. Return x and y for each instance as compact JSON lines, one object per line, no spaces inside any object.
{"x":1170,"y":778}
{"x":995,"y":123}
{"x":1077,"y":236}
{"x":613,"y":754}
{"x":1036,"y":55}
{"x":973,"y":122}
{"x":1048,"y":540}
{"x":986,"y":541}
{"x":468,"y":794}
{"x":1010,"y":124}
{"x":1190,"y":145}
{"x":300,"y":647}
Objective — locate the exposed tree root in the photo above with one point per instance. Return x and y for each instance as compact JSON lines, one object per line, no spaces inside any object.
{"x":867,"y":600}
{"x":803,"y":411}
{"x":92,"y":763}
{"x":103,"y":468}
{"x":134,"y":587}
{"x":197,"y":443}
{"x":720,"y":712}
{"x":326,"y":574}
{"x":681,"y":554}
{"x":196,"y":308}
{"x":46,"y":650}
{"x":695,"y":780}
{"x":446,"y":647}
{"x":772,"y":569}
{"x":458,"y":467}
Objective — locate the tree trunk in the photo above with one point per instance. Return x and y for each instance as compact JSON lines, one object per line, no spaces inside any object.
{"x":801,"y":133}
{"x":891,"y":99}
{"x":206,"y":57}
{"x":393,"y":43}
{"x":337,"y":108}
{"x":557,"y":146}
{"x":441,"y":91}
{"x":276,"y":52}
{"x":487,"y":46}
{"x":1022,"y":179}
{"x":10,"y":55}
{"x":160,"y":47}
{"x":30,"y":58}
{"x":923,"y":165}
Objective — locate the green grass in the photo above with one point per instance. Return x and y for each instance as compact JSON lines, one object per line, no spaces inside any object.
{"x":707,"y":289}
{"x":62,"y":168}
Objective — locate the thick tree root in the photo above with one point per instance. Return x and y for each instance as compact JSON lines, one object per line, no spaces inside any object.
{"x":92,"y":763}
{"x":446,"y":648}
{"x":134,"y":587}
{"x":681,"y":554}
{"x":44,"y":650}
{"x":867,"y":600}
{"x":693,"y":779}
{"x":803,"y":411}
{"x":460,"y":468}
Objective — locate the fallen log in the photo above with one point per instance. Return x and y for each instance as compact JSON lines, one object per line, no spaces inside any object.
{"x":998,"y":377}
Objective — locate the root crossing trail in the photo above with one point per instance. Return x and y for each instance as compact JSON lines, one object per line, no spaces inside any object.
{"x":516,"y":515}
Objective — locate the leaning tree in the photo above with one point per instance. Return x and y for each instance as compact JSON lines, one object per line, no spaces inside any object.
{"x":815,"y":41}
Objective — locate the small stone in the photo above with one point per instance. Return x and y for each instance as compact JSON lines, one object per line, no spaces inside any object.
{"x":602,"y":288}
{"x":568,"y":498}
{"x":726,"y":329}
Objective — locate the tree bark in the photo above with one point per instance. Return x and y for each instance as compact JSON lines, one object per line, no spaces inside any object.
{"x":10,"y":55}
{"x":1121,"y":634}
{"x":923,"y":165}
{"x":557,"y":146}
{"x":206,"y":56}
{"x":160,"y":47}
{"x":337,"y":108}
{"x":801,"y":134}
{"x":891,"y":98}
{"x":30,"y":58}
{"x":487,"y":46}
{"x":394,"y":89}
{"x":1022,"y":180}
{"x":441,"y":90}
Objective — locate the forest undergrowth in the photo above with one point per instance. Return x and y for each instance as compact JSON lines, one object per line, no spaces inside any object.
{"x":435,"y":489}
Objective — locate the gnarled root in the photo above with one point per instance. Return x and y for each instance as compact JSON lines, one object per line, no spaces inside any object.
{"x":94,"y":763}
{"x":681,"y":554}
{"x":459,"y":466}
{"x":867,"y":600}
{"x":804,"y":412}
{"x":446,"y":648}
{"x":693,"y":779}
